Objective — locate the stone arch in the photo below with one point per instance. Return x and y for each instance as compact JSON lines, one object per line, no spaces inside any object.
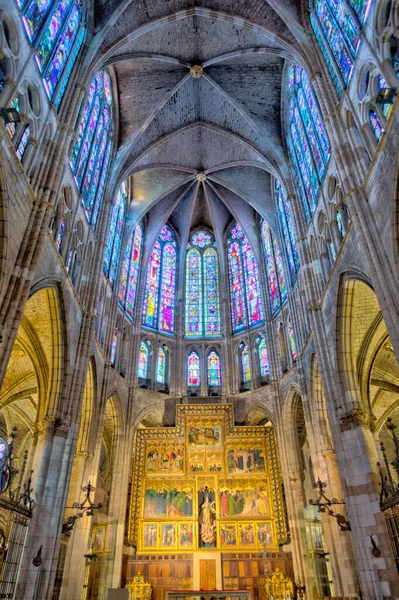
{"x":318,"y":407}
{"x":85,"y":441}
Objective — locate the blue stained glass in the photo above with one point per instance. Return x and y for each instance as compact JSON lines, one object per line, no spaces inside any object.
{"x":212,"y":318}
{"x":326,"y":56}
{"x":115,"y":235}
{"x":274,"y":269}
{"x":263,"y":358}
{"x":291,"y":337}
{"x":161,"y":366}
{"x":113,"y":346}
{"x":194,"y":303}
{"x":361,"y":8}
{"x":287,"y":227}
{"x":340,"y":224}
{"x":143,"y":361}
{"x":214,"y":369}
{"x":62,"y":51}
{"x":346,"y":23}
{"x":245,"y":297}
{"x":376,"y":126}
{"x":23,"y":143}
{"x":35,"y":15}
{"x":69,"y":68}
{"x":159,"y":301}
{"x":245,"y":365}
{"x":97,"y":197}
{"x":50,"y":34}
{"x":60,"y":235}
{"x":386,"y":108}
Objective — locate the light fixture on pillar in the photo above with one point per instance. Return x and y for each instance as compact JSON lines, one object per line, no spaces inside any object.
{"x":87,"y":507}
{"x":386,"y":95}
{"x":324,"y":505}
{"x":10,"y":115}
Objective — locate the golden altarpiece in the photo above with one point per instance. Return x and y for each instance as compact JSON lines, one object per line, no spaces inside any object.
{"x":203,"y":490}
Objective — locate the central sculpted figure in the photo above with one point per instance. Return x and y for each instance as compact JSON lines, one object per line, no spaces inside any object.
{"x":207,"y":521}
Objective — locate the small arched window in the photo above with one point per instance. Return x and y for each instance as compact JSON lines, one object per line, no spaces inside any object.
{"x":3,"y":452}
{"x":159,"y":301}
{"x":114,"y":346}
{"x":245,"y":364}
{"x":274,"y":269}
{"x":144,"y":356}
{"x":193,"y":370}
{"x":202,"y":287}
{"x":130,"y":271}
{"x":337,"y":25}
{"x":91,"y":152}
{"x":214,"y":369}
{"x":307,"y":140}
{"x":60,"y":235}
{"x":263,"y":358}
{"x":287,"y":227}
{"x":23,"y":143}
{"x":55,"y":29}
{"x":115,"y":235}
{"x":161,"y":366}
{"x":245,"y":297}
{"x":291,"y":338}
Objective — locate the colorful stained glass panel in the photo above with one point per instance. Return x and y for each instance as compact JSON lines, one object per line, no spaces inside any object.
{"x":193,"y":370}
{"x":214,"y":369}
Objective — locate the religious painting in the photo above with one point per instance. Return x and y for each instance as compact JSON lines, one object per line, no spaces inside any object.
{"x":165,"y":457}
{"x":196,"y":461}
{"x":207,"y":518}
{"x":246,"y":534}
{"x":243,"y":500}
{"x":214,"y":461}
{"x":186,"y":535}
{"x":205,"y":434}
{"x":150,"y":535}
{"x":264,"y":534}
{"x":228,"y":534}
{"x":246,"y":460}
{"x":162,"y":502}
{"x":168,"y":535}
{"x":98,"y":539}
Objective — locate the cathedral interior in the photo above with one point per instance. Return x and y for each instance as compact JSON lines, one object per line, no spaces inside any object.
{"x":199,"y":299}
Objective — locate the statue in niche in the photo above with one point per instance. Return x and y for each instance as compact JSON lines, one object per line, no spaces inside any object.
{"x":207,"y":519}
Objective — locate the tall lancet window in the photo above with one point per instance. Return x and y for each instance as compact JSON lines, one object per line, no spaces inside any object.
{"x":274,"y":269}
{"x":91,"y":153}
{"x":159,"y":300}
{"x":130,"y":271}
{"x":245,"y":297}
{"x":263,"y":358}
{"x":337,"y":25}
{"x":193,"y":369}
{"x":202,"y":311}
{"x":287,"y":227}
{"x":214,"y":369}
{"x":114,"y":239}
{"x":55,"y":29}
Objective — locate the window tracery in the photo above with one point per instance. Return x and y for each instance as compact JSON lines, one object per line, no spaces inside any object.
{"x":130,"y":271}
{"x":160,"y":290}
{"x":91,"y":153}
{"x":55,"y":29}
{"x":307,"y":140}
{"x":202,"y":311}
{"x":245,"y":297}
{"x":245,"y":364}
{"x":115,"y":235}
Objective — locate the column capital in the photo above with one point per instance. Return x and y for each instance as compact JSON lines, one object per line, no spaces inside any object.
{"x":357,"y":418}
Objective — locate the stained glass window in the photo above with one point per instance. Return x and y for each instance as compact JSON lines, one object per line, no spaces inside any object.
{"x":55,"y":29}
{"x":23,"y":143}
{"x":193,"y":370}
{"x":287,"y":227}
{"x":274,"y":269}
{"x":11,"y":127}
{"x":202,"y":309}
{"x":336,"y":25}
{"x":130,"y":271}
{"x":245,"y":365}
{"x":91,"y":152}
{"x":386,"y":108}
{"x":214,"y":369}
{"x":60,"y":235}
{"x":307,"y":139}
{"x":263,"y":358}
{"x":113,"y":346}
{"x":115,"y":234}
{"x":292,"y":342}
{"x":159,"y":300}
{"x":143,"y":361}
{"x":161,"y":366}
{"x":245,"y":297}
{"x":376,"y":126}
{"x":340,"y":224}
{"x":3,"y":452}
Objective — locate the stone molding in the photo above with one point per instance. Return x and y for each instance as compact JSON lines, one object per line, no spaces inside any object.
{"x":357,"y":418}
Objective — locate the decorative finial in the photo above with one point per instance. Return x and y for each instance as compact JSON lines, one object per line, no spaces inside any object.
{"x":196,"y":71}
{"x":201,"y":176}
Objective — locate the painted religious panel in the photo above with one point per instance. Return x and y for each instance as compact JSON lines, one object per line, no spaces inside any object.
{"x":169,"y":535}
{"x":150,"y":535}
{"x":264,"y":534}
{"x":204,"y":433}
{"x":244,"y":499}
{"x":163,"y":500}
{"x":228,"y":534}
{"x":165,"y":458}
{"x":246,"y":535}
{"x":205,"y":461}
{"x":246,"y":457}
{"x":186,"y":535}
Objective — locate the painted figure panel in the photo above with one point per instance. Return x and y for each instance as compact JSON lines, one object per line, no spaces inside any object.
{"x":207,"y":435}
{"x":242,"y":460}
{"x":165,"y":458}
{"x":168,"y":503}
{"x":243,"y":501}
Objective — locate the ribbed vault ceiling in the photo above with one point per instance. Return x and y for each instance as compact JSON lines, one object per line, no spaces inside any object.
{"x":225,"y":124}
